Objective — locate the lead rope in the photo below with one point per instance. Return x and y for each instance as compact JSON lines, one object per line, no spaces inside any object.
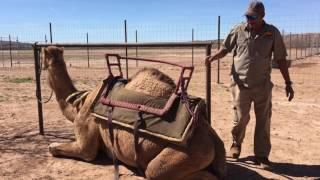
{"x":37,"y":94}
{"x":46,"y":101}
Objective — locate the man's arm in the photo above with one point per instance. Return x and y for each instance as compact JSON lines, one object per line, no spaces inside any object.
{"x":220,"y":54}
{"x":227,"y":46}
{"x":279,"y":54}
{"x":283,"y":66}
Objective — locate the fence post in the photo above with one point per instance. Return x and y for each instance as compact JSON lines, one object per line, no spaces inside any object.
{"x":126,"y":40}
{"x":18,"y":47}
{"x":38,"y":87}
{"x":302,"y":46}
{"x":305,"y":45}
{"x":2,"y":55}
{"x":192,"y":50}
{"x":50,"y":27}
{"x":290,"y":46}
{"x":208,"y":84}
{"x":136,"y":48}
{"x":88,"y":50}
{"x":318,"y":43}
{"x":218,"y":75}
{"x":297,"y":42}
{"x":10,"y":49}
{"x":310,"y":44}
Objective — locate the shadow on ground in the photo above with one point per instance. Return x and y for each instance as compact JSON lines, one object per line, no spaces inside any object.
{"x":236,"y":170}
{"x":34,"y":145}
{"x":29,"y":142}
{"x":244,"y":169}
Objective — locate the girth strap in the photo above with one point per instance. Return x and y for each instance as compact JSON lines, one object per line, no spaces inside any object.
{"x":137,"y":124}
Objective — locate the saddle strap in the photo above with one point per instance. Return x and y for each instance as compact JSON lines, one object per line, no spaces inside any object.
{"x":184,"y":98}
{"x":110,"y":81}
{"x":137,"y":125}
{"x":111,"y":136}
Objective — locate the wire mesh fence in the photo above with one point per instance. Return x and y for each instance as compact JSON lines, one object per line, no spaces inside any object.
{"x":302,"y":42}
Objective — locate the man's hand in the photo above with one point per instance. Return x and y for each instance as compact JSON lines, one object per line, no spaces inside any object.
{"x":208,"y":60}
{"x":220,"y":54}
{"x":289,"y":92}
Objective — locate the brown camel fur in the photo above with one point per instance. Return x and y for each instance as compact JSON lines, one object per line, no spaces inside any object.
{"x":203,"y":158}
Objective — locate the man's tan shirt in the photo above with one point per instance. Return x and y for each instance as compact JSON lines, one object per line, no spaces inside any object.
{"x":252,"y":53}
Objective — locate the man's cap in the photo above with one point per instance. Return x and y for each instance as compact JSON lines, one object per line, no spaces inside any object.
{"x":255,"y":8}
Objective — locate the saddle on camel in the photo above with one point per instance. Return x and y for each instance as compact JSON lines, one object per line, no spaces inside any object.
{"x":148,"y":121}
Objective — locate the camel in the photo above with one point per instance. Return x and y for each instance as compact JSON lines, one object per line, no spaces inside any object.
{"x":203,"y":158}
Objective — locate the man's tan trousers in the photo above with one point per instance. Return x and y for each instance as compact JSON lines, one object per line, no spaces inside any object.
{"x":242,"y":100}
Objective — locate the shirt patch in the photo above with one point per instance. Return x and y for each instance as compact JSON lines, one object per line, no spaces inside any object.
{"x":268,"y":33}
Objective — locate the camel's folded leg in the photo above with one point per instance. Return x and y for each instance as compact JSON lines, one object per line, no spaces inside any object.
{"x":86,"y":145}
{"x":218,"y":166}
{"x":175,"y":165}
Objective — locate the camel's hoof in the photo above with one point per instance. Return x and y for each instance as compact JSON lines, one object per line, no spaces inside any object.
{"x":53,"y":148}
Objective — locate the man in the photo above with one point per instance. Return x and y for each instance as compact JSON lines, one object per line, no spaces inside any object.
{"x":253,"y":43}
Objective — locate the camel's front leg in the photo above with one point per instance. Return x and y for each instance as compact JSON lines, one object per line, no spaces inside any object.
{"x":87,"y":141}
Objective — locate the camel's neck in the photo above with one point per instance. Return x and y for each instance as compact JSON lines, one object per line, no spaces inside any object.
{"x":60,"y":82}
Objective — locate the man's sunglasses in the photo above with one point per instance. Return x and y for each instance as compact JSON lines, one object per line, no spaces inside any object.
{"x":251,"y":17}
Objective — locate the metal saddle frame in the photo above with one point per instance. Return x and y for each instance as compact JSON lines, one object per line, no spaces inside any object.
{"x":181,"y":89}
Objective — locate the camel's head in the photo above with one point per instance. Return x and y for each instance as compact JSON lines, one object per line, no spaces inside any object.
{"x":51,"y":55}
{"x":152,"y":82}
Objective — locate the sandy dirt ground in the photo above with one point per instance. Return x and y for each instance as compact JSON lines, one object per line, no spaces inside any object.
{"x":295,"y":129}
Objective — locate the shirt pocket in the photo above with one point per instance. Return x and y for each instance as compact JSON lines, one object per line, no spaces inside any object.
{"x":242,"y":45}
{"x":264,"y":46}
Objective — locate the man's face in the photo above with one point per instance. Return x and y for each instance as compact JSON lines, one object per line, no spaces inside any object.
{"x":254,"y":21}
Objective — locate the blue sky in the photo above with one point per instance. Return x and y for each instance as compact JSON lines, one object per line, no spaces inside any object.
{"x":156,"y":20}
